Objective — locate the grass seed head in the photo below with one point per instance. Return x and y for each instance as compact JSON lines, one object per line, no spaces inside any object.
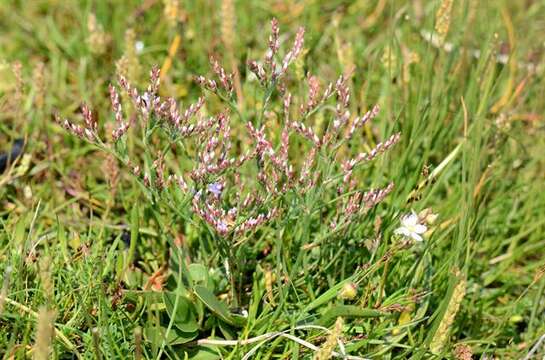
{"x":44,"y":334}
{"x":442,"y":20}
{"x":326,"y":350}
{"x":46,"y":277}
{"x":5,"y":286}
{"x":39,"y":83}
{"x":128,"y":65}
{"x":172,"y":12}
{"x":441,"y":336}
{"x":228,"y":20}
{"x":97,"y":39}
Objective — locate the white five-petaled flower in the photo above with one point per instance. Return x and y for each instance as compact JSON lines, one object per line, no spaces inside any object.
{"x":411,"y":227}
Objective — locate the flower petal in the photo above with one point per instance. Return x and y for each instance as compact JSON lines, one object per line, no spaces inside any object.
{"x":416,"y":237}
{"x":410,"y":220}
{"x":403,"y":231}
{"x":420,"y":229}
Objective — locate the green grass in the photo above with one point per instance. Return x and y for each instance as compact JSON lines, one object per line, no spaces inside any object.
{"x":71,"y":243}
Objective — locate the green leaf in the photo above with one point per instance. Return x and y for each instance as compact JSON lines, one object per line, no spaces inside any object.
{"x":63,"y":242}
{"x":218,"y":307}
{"x":175,"y":336}
{"x":181,"y":311}
{"x":204,"y":353}
{"x":227,"y":332}
{"x":330,"y":294}
{"x":135,"y":227}
{"x":199,"y":273}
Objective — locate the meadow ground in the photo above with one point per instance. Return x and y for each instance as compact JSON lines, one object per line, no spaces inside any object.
{"x":230,"y":204}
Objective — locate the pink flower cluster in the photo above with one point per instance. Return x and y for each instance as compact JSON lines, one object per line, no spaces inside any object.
{"x":224,"y":196}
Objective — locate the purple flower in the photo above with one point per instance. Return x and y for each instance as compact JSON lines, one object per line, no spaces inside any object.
{"x":216,"y":188}
{"x":222,"y":227}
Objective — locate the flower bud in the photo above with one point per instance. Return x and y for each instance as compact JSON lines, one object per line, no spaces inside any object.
{"x":349,"y":291}
{"x":427,"y":216}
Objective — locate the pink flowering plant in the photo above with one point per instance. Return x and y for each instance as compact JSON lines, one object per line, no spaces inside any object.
{"x":280,"y":167}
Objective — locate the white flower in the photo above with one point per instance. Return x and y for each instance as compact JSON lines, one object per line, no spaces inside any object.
{"x":411,"y":228}
{"x":139,"y":47}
